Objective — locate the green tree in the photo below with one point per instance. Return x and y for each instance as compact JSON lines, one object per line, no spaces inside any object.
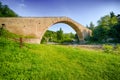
{"x":100,"y":33}
{"x":107,"y":28}
{"x":76,"y":37}
{"x":113,"y":19}
{"x":49,"y":36}
{"x":112,"y":14}
{"x":118,"y":17}
{"x":1,"y":9}
{"x":104,"y":21}
{"x":60,"y":35}
{"x":5,"y":11}
{"x":115,"y":32}
{"x":92,"y":26}
{"x":114,"y":26}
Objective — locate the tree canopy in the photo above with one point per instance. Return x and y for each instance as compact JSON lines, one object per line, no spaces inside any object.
{"x":5,"y":11}
{"x":108,"y":28}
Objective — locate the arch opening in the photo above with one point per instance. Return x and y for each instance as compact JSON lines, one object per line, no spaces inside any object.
{"x":75,"y":32}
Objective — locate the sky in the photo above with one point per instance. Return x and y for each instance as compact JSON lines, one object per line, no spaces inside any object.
{"x":82,"y":11}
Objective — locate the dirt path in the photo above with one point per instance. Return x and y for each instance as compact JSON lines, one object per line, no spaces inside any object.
{"x":88,"y":46}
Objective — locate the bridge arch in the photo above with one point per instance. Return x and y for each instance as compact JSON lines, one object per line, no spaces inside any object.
{"x":35,"y":27}
{"x":69,"y":23}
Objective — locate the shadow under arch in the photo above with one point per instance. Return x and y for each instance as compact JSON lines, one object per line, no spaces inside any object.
{"x":69,"y":23}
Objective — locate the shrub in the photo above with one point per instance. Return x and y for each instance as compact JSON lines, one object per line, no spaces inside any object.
{"x":111,"y":49}
{"x":108,"y":48}
{"x":117,"y":49}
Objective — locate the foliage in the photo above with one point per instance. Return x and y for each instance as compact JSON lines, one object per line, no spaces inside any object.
{"x":68,"y":37}
{"x":5,"y":11}
{"x":107,"y":29}
{"x":54,"y":62}
{"x":117,"y":49}
{"x":49,"y":36}
{"x":60,"y":34}
{"x":59,"y":37}
{"x":103,"y":28}
{"x":115,"y":32}
{"x":110,"y":49}
{"x":92,"y":26}
{"x":6,"y":35}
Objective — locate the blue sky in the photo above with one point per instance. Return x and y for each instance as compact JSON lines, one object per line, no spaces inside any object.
{"x":82,"y":11}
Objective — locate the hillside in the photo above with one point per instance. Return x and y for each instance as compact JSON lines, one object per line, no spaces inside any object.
{"x":55,"y":62}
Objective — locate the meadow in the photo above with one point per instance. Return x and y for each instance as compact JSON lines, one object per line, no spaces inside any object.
{"x":56,"y":62}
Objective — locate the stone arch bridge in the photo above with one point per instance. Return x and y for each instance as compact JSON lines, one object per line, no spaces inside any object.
{"x":37,"y":26}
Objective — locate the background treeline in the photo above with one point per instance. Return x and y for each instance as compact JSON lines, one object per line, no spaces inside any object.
{"x":5,"y":11}
{"x":59,"y":37}
{"x":107,"y":29}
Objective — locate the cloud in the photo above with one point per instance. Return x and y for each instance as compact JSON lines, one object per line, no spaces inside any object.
{"x":22,"y":5}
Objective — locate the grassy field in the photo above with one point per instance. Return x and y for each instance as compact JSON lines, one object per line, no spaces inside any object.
{"x":55,"y":62}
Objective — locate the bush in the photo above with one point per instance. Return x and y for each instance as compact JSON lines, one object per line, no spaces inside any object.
{"x":108,"y":48}
{"x":111,"y":49}
{"x":117,"y":49}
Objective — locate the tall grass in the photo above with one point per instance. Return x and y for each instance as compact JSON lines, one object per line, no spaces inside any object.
{"x":55,"y":62}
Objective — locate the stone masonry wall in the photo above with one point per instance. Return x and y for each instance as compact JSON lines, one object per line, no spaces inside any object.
{"x":35,"y":27}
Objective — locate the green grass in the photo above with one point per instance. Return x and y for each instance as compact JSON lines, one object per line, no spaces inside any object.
{"x":55,"y":62}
